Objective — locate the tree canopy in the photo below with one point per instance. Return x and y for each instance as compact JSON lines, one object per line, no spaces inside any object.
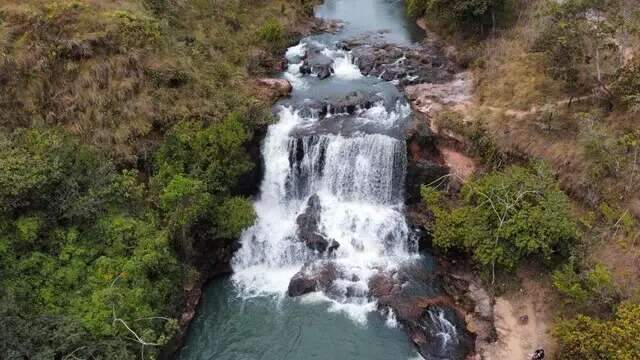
{"x":505,"y":217}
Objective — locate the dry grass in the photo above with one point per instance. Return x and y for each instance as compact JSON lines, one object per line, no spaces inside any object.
{"x":119,"y":73}
{"x":522,"y":111}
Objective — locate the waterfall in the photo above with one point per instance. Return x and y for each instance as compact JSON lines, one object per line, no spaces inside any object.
{"x":358,"y":179}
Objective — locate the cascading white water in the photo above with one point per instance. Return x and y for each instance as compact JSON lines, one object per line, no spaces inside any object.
{"x":359,"y":181}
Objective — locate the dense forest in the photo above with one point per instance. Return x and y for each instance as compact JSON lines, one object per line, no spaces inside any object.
{"x":555,"y":82}
{"x":124,"y":136}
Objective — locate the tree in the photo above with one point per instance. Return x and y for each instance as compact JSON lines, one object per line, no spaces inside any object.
{"x":184,"y":201}
{"x":504,"y":217}
{"x":627,"y":86}
{"x":464,"y":12}
{"x":234,"y":214}
{"x":588,"y":338}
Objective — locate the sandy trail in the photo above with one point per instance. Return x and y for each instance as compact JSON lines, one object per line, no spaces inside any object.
{"x":517,"y":340}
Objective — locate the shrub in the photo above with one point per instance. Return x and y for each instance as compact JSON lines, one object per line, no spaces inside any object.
{"x":593,"y":287}
{"x":272,"y":33}
{"x":588,"y":338}
{"x":505,"y":217}
{"x":627,"y":86}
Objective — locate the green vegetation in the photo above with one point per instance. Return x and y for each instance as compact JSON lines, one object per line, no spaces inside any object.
{"x":468,"y":14}
{"x":122,"y":155}
{"x":79,"y":251}
{"x":614,"y":339}
{"x":559,"y":81}
{"x":505,"y":217}
{"x":593,"y":287}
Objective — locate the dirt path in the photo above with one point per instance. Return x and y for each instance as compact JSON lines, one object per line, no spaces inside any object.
{"x":518,"y":339}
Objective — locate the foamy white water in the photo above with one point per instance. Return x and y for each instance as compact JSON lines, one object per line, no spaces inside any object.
{"x":359,"y":181}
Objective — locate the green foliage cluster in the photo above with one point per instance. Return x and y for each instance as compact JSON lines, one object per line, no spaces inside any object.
{"x":574,"y":35}
{"x":79,"y":249}
{"x":587,"y":338}
{"x":467,"y":13}
{"x":505,"y":217}
{"x":592,"y":287}
{"x":122,"y":152}
{"x":272,"y":33}
{"x":87,"y":250}
{"x":197,"y":169}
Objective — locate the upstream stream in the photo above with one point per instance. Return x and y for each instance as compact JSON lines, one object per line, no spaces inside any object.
{"x":331,"y":218}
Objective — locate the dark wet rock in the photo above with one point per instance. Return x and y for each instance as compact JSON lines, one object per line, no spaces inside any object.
{"x":434,"y":323}
{"x":350,"y":104}
{"x":407,"y":64}
{"x":333,"y":246}
{"x":538,"y":355}
{"x":309,"y":230}
{"x":467,"y":292}
{"x":315,"y":277}
{"x":420,"y":173}
{"x":315,"y":62}
{"x":300,"y":284}
{"x":315,"y":241}
{"x":309,"y":220}
{"x":425,"y":163}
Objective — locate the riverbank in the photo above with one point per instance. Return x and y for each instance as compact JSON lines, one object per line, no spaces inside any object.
{"x":517,"y":322}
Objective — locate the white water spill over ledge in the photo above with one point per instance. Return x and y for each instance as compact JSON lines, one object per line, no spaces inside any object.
{"x":358,"y":179}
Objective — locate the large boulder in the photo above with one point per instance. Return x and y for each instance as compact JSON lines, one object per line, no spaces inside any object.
{"x":314,"y":277}
{"x":315,"y":62}
{"x":272,"y":89}
{"x":309,"y":230}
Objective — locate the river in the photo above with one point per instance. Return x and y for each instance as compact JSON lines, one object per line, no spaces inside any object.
{"x":330,"y":214}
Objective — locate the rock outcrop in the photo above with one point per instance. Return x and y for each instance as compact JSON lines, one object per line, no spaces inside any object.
{"x":432,"y":319}
{"x":415,"y":64}
{"x":271,"y":89}
{"x":313,"y":277}
{"x":317,"y":63}
{"x":309,"y":230}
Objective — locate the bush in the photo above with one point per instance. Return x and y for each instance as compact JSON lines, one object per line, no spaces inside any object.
{"x":272,"y":33}
{"x":591,"y":339}
{"x":234,"y":214}
{"x":465,"y":13}
{"x":593,"y":287}
{"x":627,"y":86}
{"x":505,"y":217}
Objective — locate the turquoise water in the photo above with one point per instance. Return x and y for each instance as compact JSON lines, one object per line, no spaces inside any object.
{"x":265,"y":328}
